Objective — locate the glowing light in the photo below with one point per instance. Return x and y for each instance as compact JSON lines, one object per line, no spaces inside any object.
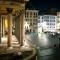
{"x":44,"y":25}
{"x":58,"y":26}
{"x":4,"y":39}
{"x":6,"y":24}
{"x":26,"y":25}
{"x":40,"y":29}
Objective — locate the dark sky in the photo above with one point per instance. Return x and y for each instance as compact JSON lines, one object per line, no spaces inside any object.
{"x":43,"y":5}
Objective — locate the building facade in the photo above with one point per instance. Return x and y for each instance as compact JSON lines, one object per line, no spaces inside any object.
{"x":31,"y":17}
{"x":47,"y":23}
{"x":58,"y":22}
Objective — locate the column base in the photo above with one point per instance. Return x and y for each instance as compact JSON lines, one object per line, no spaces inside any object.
{"x":10,"y":48}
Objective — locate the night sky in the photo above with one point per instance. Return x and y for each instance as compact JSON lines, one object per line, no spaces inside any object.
{"x":43,"y":5}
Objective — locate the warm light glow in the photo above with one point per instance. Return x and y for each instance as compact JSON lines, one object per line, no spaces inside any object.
{"x":6,"y":24}
{"x":4,"y":39}
{"x":26,"y":25}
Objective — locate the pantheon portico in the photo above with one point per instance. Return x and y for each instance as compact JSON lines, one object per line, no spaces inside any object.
{"x":12,"y":19}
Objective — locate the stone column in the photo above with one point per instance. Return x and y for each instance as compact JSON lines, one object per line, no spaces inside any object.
{"x":9,"y":26}
{"x":3,"y":26}
{"x":0,"y":28}
{"x":21,"y":29}
{"x":17,"y":28}
{"x":9,"y":29}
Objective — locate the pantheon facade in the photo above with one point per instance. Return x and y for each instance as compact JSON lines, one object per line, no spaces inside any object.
{"x":12,"y":20}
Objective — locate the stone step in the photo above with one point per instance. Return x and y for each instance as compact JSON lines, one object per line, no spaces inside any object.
{"x":15,"y":45}
{"x":14,"y":42}
{"x":11,"y":43}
